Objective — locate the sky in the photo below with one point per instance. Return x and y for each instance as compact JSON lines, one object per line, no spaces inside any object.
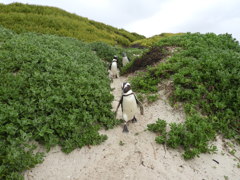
{"x":152,"y":17}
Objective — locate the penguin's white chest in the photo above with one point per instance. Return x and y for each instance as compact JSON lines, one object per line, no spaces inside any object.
{"x":129,"y":106}
{"x":125,"y":61}
{"x":114,"y":68}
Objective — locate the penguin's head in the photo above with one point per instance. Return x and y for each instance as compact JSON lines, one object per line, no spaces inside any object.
{"x":124,"y":54}
{"x":126,"y":87}
{"x":115,"y":57}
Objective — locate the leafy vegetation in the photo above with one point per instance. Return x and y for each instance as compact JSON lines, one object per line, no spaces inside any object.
{"x":150,"y":42}
{"x":193,"y":135}
{"x":53,"y":91}
{"x":5,"y":34}
{"x":104,"y":50}
{"x":205,"y":74}
{"x":49,"y":20}
{"x":152,"y":98}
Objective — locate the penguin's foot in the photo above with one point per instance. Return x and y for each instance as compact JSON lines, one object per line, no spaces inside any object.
{"x":125,"y":129}
{"x":134,"y":120}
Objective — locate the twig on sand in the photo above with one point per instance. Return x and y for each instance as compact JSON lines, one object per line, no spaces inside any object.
{"x":154,"y":152}
{"x":164,"y":146}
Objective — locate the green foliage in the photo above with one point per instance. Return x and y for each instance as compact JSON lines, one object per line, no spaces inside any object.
{"x":54,"y":91}
{"x":144,"y":83}
{"x":150,"y":42}
{"x":158,"y":127}
{"x":193,"y":135}
{"x":50,"y":20}
{"x":238,"y":165}
{"x":226,"y":178}
{"x":104,"y":50}
{"x":205,"y":73}
{"x":152,"y":98}
{"x":121,"y":143}
{"x":5,"y":34}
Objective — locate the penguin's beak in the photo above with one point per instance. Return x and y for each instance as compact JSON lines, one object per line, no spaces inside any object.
{"x":126,"y":89}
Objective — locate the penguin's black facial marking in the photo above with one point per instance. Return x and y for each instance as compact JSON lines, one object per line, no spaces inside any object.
{"x":126,"y":88}
{"x":123,"y":85}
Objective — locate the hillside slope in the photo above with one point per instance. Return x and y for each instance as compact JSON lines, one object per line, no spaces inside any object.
{"x":50,"y":20}
{"x":149,"y":42}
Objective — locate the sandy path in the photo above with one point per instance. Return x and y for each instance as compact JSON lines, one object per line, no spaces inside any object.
{"x":138,"y":157}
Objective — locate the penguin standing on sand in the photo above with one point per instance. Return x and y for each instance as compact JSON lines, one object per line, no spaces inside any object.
{"x":114,"y":67}
{"x":129,"y":103}
{"x":125,"y":59}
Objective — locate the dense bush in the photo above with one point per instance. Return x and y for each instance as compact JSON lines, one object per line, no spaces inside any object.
{"x":54,"y":91}
{"x":205,"y":73}
{"x":5,"y":34}
{"x":193,"y":135}
{"x":50,"y":20}
{"x":103,"y":50}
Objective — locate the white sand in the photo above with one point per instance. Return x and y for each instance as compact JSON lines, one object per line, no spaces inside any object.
{"x":139,"y":158}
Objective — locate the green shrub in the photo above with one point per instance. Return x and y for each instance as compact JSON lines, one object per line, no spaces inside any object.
{"x":193,"y":135}
{"x":5,"y":34}
{"x":144,"y":83}
{"x":54,"y":91}
{"x":152,"y":98}
{"x":103,"y":50}
{"x":158,"y":127}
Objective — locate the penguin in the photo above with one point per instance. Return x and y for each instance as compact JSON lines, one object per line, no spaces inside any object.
{"x":114,"y":67}
{"x":125,"y":59}
{"x":129,"y":103}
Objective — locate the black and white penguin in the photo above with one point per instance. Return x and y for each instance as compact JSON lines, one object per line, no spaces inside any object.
{"x":114,"y":67}
{"x":125,"y":59}
{"x":129,"y":103}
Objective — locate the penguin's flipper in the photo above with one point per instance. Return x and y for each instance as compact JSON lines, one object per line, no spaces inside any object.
{"x":119,"y":103}
{"x":140,"y":105}
{"x":125,"y":129}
